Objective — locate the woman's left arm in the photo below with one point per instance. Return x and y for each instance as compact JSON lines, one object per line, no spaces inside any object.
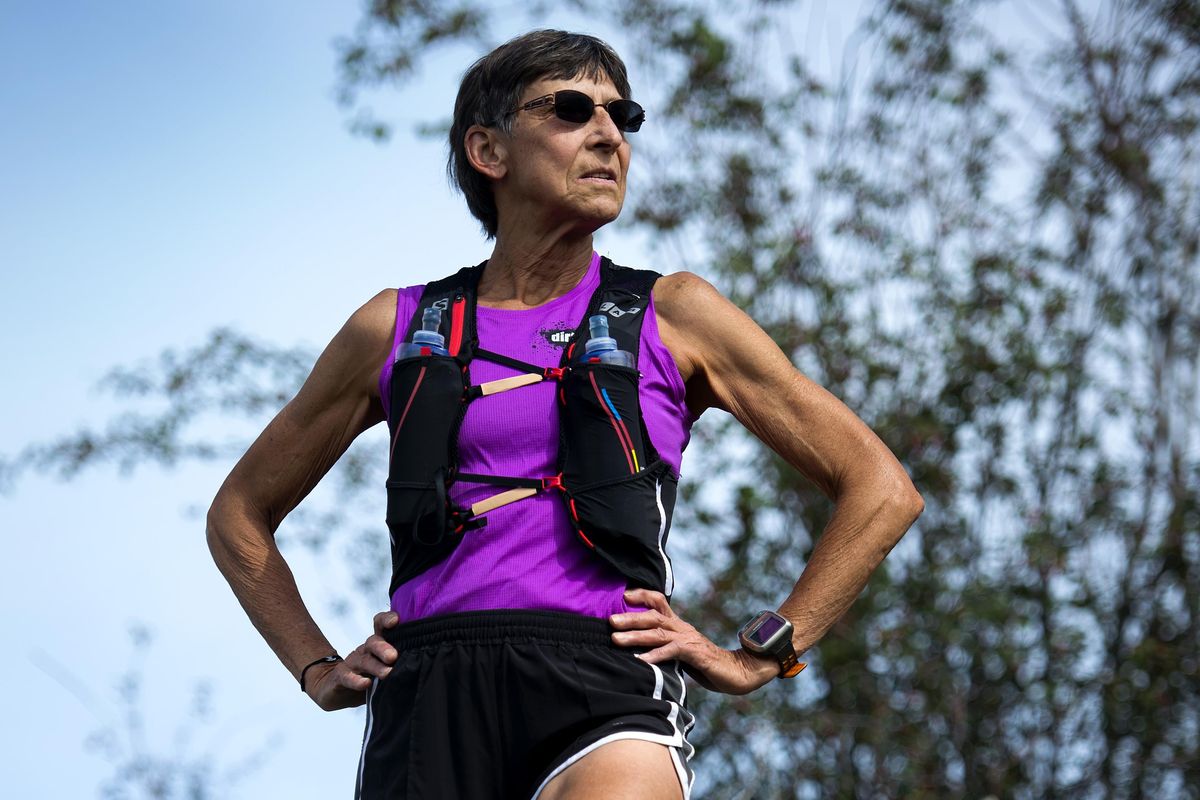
{"x":728,"y":362}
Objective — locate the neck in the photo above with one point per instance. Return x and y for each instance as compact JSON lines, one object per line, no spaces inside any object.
{"x":524,"y":272}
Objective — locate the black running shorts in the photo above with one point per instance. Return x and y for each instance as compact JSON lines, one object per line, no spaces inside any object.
{"x":491,"y":705}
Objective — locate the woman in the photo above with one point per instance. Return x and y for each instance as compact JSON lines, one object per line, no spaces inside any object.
{"x":520,"y":658}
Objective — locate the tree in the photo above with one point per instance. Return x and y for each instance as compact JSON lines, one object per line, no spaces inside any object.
{"x":986,"y":243}
{"x":143,"y":765}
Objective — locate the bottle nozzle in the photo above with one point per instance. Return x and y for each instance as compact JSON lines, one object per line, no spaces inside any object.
{"x":600,"y":341}
{"x":598,"y":326}
{"x":429,"y":335}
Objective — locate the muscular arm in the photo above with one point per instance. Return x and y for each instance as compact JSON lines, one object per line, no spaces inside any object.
{"x":339,"y":400}
{"x":728,"y":362}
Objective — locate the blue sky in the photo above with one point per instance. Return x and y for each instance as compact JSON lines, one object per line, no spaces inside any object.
{"x":169,"y":168}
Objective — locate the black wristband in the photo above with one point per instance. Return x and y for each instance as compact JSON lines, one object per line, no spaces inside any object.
{"x":333,"y":659}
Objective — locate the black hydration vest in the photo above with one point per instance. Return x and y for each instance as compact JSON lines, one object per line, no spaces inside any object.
{"x":618,"y":492}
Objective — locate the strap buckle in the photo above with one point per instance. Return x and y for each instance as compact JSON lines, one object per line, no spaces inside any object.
{"x":553,"y":482}
{"x":462,"y":520}
{"x":553,"y":373}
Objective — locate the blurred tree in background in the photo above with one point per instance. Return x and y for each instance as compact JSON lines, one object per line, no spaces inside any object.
{"x":981,"y":232}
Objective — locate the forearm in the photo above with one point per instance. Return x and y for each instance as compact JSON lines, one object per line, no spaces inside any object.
{"x":246,"y":554}
{"x":863,"y":529}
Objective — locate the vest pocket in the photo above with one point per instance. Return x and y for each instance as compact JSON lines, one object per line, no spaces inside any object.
{"x":425,"y":409}
{"x":416,"y":518}
{"x":602,"y":431}
{"x":417,"y":511}
{"x":626,"y":521}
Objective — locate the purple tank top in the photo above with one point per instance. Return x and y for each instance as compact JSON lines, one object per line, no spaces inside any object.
{"x":528,"y":555}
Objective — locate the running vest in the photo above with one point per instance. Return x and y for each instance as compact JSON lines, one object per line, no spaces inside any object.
{"x":618,"y":492}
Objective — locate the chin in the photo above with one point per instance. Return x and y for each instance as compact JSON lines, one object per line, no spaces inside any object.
{"x":597,"y":219}
{"x":588,"y":214}
{"x":605,"y":210}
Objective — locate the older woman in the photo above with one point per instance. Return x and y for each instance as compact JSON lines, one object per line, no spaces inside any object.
{"x":530,"y":649}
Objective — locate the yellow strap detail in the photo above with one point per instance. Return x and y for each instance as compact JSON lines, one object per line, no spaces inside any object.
{"x":504,"y":384}
{"x":502,"y":499}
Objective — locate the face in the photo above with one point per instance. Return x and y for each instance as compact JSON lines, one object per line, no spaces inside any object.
{"x":558,"y":172}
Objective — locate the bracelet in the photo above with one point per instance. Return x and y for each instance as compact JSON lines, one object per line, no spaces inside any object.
{"x":333,"y":659}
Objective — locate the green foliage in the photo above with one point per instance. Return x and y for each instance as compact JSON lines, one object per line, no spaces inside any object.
{"x":228,"y":375}
{"x":144,"y":766}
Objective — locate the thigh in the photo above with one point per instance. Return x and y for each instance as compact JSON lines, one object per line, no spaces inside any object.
{"x":627,"y":769}
{"x":637,"y":745}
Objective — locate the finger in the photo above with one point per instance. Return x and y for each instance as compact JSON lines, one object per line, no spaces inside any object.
{"x":648,"y":637}
{"x":668,"y":651}
{"x":385,"y":619}
{"x":639,"y":619}
{"x":352,"y":680}
{"x":650,"y":599}
{"x":381,"y":649}
{"x":341,"y":676}
{"x":364,"y":662}
{"x":690,"y":647}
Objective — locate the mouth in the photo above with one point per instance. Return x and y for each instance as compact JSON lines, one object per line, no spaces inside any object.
{"x":600,"y":176}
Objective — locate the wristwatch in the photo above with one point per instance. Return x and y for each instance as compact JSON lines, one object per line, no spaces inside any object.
{"x":770,"y":634}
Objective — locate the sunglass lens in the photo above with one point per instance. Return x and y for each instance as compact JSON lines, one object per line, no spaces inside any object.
{"x":626,"y":115}
{"x":572,"y":106}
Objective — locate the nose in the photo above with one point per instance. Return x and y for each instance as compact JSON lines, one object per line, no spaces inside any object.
{"x":610,"y":136}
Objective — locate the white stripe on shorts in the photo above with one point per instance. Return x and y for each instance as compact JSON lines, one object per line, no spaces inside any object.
{"x":362,"y":758}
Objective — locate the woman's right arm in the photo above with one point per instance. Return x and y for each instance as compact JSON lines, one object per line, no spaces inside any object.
{"x":338,"y":401}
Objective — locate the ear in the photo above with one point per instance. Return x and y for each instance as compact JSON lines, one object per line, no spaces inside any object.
{"x":486,"y":150}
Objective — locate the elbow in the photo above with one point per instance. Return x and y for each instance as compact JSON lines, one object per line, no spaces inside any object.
{"x":236,"y":530}
{"x":900,"y":511}
{"x":904,"y":505}
{"x":906,"y":499}
{"x":237,"y":547}
{"x":895,"y":492}
{"x":914,"y":502}
{"x":908,"y":506}
{"x":213,"y":530}
{"x":222,"y":530}
{"x":901,"y":493}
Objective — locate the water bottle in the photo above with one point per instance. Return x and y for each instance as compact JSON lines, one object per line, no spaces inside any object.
{"x":603,"y":347}
{"x":426,"y":338}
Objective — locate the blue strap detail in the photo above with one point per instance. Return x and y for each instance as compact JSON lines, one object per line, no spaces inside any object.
{"x":611,"y":407}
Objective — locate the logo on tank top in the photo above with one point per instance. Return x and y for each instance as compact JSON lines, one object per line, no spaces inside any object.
{"x":559,"y":337}
{"x":612,"y":310}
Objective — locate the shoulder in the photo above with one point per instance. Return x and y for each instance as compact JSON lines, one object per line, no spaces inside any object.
{"x":374,"y":321}
{"x":689,"y":304}
{"x":343,"y":383}
{"x":718,"y":348}
{"x":675,"y":294}
{"x":682,"y":303}
{"x":354,"y":355}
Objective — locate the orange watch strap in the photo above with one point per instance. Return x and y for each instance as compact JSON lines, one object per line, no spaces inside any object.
{"x":792,"y":665}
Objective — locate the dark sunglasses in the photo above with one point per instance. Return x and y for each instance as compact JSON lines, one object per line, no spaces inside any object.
{"x":572,"y":106}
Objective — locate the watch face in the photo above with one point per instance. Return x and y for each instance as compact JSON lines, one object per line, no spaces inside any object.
{"x":766,"y":631}
{"x":763,"y":633}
